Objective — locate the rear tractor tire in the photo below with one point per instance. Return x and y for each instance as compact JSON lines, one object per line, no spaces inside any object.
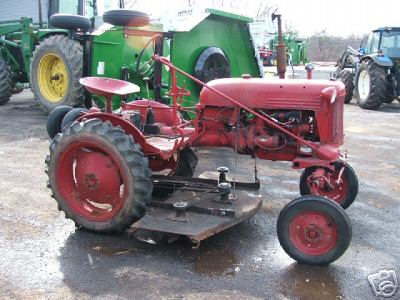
{"x":98,"y":176}
{"x":56,"y":68}
{"x":314,"y":230}
{"x":371,"y":85}
{"x":348,"y":80}
{"x":6,"y":83}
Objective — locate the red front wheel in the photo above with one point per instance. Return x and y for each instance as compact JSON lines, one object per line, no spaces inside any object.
{"x":314,"y":230}
{"x":339,"y":185}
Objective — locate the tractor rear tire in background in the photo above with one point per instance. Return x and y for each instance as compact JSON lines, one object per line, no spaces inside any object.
{"x":55,"y":119}
{"x":347,"y":78}
{"x":6,"y":83}
{"x":314,"y":230}
{"x":56,"y":68}
{"x":98,"y":176}
{"x":371,"y":85}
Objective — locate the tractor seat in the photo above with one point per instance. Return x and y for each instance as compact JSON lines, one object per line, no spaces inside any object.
{"x":104,"y":86}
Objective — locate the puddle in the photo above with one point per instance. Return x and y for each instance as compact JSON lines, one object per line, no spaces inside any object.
{"x":217,"y":262}
{"x":305,"y":282}
{"x":112,"y":251}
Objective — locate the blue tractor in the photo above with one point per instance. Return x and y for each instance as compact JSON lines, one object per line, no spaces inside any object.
{"x":372,"y":73}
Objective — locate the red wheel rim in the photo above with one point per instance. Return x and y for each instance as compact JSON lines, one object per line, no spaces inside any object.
{"x":91,"y":181}
{"x":340,"y":190}
{"x":313,"y":233}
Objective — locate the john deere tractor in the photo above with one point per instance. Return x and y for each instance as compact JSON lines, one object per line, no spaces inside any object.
{"x":108,"y":41}
{"x":372,"y":73}
{"x":31,"y":51}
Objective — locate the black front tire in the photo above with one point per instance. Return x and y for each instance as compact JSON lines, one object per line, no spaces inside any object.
{"x":313,"y":204}
{"x":349,"y":175}
{"x":187,"y":162}
{"x":70,"y":52}
{"x":348,"y":80}
{"x":6,"y":83}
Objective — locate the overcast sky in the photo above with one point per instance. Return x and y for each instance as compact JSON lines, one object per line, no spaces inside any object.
{"x":337,"y":17}
{"x":340,"y":17}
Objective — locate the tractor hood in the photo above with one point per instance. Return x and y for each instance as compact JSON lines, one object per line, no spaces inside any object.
{"x":271,"y":93}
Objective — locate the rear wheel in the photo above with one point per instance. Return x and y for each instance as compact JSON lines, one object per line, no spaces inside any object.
{"x":372,"y":85}
{"x":347,"y":78}
{"x":6,"y":83}
{"x":313,"y":230}
{"x":55,"y":72}
{"x":98,"y":176}
{"x":343,"y":191}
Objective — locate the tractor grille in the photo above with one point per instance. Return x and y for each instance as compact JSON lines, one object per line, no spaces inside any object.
{"x":337,"y":123}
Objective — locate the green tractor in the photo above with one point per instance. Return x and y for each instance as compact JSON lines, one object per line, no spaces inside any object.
{"x":52,"y":57}
{"x":33,"y":52}
{"x":372,"y":73}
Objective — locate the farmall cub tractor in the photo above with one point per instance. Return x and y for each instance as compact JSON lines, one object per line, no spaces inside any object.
{"x":110,"y":170}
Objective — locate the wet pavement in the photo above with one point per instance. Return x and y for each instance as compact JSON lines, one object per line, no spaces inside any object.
{"x":43,"y":256}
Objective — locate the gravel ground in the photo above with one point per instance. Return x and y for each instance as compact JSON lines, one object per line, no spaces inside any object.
{"x":43,"y":256}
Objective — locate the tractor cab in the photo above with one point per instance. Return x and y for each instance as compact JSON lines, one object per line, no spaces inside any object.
{"x":384,"y":40}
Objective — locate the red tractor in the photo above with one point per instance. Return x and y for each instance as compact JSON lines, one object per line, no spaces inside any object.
{"x":100,"y":166}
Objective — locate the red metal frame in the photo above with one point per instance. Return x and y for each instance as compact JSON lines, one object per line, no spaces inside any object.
{"x":217,"y":120}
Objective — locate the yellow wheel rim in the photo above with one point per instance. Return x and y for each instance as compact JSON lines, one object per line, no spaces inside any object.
{"x":53,"y":77}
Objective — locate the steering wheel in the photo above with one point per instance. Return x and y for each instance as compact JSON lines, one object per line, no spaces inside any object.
{"x":145,"y":69}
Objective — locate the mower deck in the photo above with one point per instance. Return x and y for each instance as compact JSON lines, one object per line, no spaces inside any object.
{"x":205,"y":213}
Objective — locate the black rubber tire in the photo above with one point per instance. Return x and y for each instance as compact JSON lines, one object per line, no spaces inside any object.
{"x":348,"y":80}
{"x":126,"y":17}
{"x":55,"y":118}
{"x":71,"y":53}
{"x":139,"y":185}
{"x":6,"y":83}
{"x":187,"y":162}
{"x":319,"y":204}
{"x":211,"y":64}
{"x":70,"y":22}
{"x":71,"y":116}
{"x":348,"y":173}
{"x":378,"y":90}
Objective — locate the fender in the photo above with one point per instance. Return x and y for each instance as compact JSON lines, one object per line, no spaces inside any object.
{"x":129,"y":128}
{"x":381,"y":60}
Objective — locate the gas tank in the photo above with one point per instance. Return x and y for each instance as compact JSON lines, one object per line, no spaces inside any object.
{"x":271,"y":93}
